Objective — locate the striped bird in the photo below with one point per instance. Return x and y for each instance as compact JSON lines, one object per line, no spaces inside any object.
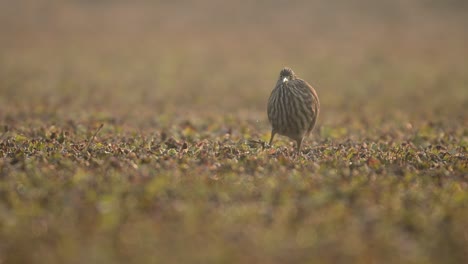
{"x":293,"y":108}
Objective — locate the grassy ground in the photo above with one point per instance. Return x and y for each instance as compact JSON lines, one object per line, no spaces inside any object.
{"x":133,"y":133}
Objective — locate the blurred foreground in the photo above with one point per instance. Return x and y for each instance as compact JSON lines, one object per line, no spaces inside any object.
{"x":178,"y":174}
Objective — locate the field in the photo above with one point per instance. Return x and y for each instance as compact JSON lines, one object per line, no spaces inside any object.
{"x":134,"y":132}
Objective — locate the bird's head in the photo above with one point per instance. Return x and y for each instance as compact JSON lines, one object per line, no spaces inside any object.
{"x":286,"y":75}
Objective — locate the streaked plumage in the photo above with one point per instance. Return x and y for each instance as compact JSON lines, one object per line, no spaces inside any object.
{"x":293,"y":107}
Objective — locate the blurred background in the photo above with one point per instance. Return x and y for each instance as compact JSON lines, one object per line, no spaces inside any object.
{"x":181,"y":86}
{"x":138,"y":60}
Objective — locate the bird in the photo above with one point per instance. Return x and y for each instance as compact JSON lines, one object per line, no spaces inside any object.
{"x":293,"y":108}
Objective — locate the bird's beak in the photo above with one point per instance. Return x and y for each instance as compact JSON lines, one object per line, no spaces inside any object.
{"x":285,"y":79}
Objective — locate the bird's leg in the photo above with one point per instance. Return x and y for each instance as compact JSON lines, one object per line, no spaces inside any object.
{"x":273,"y":133}
{"x":299,"y":145}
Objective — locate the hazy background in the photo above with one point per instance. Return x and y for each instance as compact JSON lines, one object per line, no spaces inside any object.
{"x":178,"y":173}
{"x":137,"y":60}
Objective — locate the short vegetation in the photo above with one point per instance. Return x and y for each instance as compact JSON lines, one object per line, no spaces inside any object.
{"x":136,"y":132}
